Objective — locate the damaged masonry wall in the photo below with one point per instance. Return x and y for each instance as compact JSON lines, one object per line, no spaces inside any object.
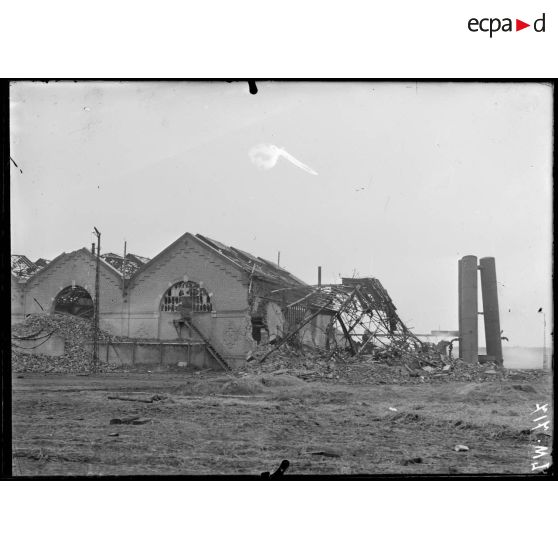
{"x":276,"y":312}
{"x":75,"y":269}
{"x":362,"y":319}
{"x":227,"y":325}
{"x":135,"y":307}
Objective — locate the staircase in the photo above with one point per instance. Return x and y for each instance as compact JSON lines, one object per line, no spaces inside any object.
{"x":212,"y":350}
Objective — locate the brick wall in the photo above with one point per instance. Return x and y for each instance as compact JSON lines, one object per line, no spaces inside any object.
{"x":228,"y":327}
{"x":76,"y":266}
{"x":17,"y":296}
{"x":137,"y":313}
{"x":188,"y":257}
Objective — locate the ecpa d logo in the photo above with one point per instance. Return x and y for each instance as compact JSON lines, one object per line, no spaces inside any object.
{"x":492,"y":25}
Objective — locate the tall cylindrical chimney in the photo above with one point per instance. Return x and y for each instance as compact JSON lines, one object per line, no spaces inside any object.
{"x":319,"y":276}
{"x":490,"y":309}
{"x":469,"y":326}
{"x":93,"y":248}
{"x":460,"y":317}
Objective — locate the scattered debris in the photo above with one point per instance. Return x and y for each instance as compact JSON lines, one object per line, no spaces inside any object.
{"x":125,"y":420}
{"x":243,"y":386}
{"x":325,"y":453}
{"x":40,"y":456}
{"x":524,"y":387}
{"x":138,"y":399}
{"x":412,"y":461}
{"x":460,"y":447}
{"x":380,"y":367}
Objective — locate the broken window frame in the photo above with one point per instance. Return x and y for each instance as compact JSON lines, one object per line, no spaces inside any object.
{"x":186,"y":294}
{"x":74,"y":300}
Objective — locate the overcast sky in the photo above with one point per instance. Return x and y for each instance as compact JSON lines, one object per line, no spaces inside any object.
{"x":410,"y":178}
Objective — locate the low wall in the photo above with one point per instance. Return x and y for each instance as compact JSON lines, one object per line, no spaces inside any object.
{"x":51,"y":346}
{"x":153,"y":352}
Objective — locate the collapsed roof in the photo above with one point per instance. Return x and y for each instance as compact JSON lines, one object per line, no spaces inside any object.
{"x":128,"y":265}
{"x":258,"y":268}
{"x":365,"y":313}
{"x":24,"y":268}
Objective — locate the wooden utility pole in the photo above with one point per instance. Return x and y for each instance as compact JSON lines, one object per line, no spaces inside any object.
{"x":96,"y":314}
{"x":124,"y":270}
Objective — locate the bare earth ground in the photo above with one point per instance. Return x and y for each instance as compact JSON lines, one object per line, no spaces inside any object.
{"x":217,"y":424}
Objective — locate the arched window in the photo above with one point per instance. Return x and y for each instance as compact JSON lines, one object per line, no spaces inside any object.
{"x":186,"y":294}
{"x":74,"y":300}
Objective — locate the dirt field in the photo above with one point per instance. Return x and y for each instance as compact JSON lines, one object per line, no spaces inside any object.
{"x":217,"y":424}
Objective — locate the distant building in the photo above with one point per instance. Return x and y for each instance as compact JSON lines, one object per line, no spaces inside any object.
{"x":437,"y":335}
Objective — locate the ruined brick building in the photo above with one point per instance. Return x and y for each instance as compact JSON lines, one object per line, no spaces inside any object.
{"x":235,"y":299}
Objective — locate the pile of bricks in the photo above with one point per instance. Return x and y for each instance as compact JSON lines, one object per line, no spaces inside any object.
{"x":77,"y":334}
{"x":426,"y":365}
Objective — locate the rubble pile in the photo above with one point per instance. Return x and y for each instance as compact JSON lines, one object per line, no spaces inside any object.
{"x":389,"y":365}
{"x":366,"y":342}
{"x":362,"y":321}
{"x":77,"y":334}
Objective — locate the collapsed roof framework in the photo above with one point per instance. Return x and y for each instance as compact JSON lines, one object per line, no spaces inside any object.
{"x":364,"y":311}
